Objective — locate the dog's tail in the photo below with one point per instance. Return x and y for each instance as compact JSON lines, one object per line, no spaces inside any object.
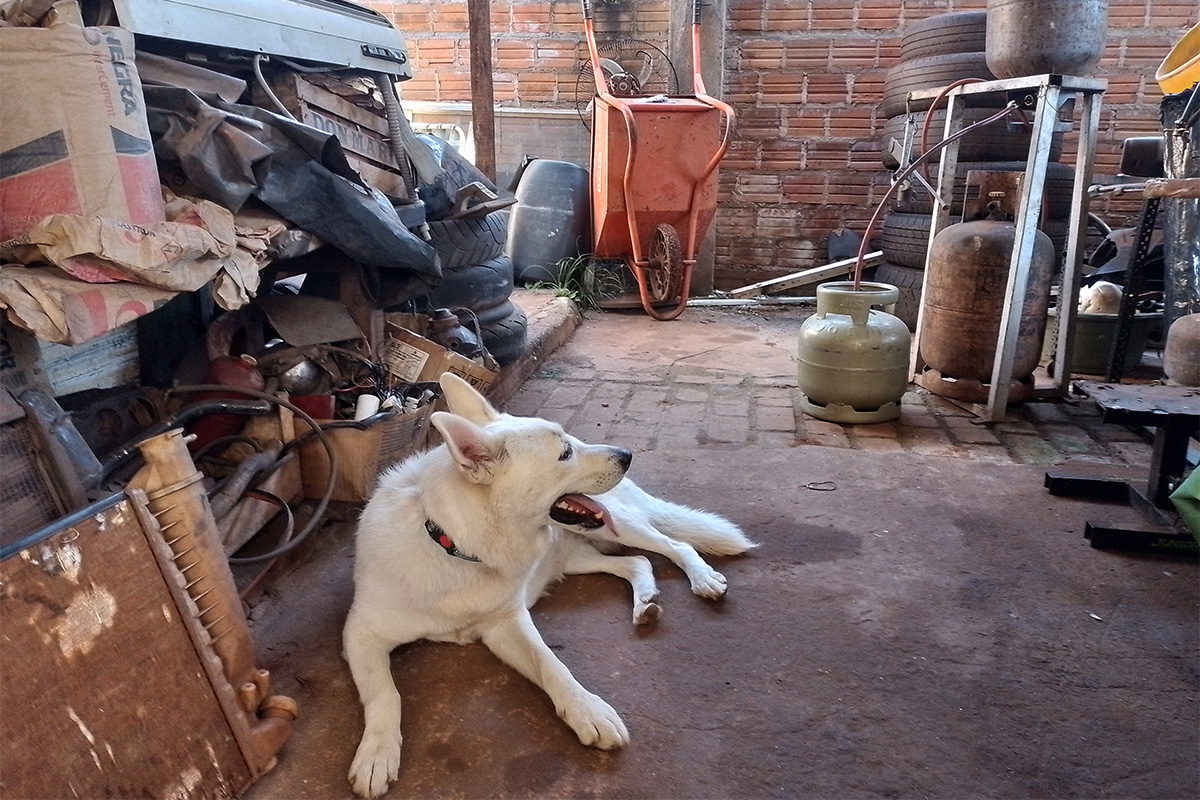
{"x":707,"y":532}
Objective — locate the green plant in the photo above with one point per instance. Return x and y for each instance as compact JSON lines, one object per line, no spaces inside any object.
{"x":579,"y":282}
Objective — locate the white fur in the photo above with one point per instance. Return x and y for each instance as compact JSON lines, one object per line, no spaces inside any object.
{"x":490,"y":487}
{"x":1101,"y":297}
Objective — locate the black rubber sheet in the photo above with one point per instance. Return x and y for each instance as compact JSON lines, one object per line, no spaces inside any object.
{"x":233,"y":152}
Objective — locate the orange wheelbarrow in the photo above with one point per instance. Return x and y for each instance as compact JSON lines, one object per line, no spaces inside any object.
{"x":654,"y":178}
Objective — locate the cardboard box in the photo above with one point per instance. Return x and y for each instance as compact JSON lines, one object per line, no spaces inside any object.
{"x":102,"y":363}
{"x":415,"y":359}
{"x":74,"y":138}
{"x":362,"y":452}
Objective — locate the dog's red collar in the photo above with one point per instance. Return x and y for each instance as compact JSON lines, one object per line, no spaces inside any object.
{"x":445,"y":542}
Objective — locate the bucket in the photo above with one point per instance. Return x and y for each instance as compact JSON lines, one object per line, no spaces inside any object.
{"x":1094,"y":334}
{"x":1181,"y":68}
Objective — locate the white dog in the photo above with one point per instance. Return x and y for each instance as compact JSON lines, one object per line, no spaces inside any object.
{"x":1101,"y":297}
{"x":457,"y":543}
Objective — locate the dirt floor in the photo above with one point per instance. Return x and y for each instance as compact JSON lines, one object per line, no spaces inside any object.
{"x":929,"y":626}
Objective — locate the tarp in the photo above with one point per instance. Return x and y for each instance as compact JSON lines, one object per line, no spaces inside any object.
{"x":232,"y":152}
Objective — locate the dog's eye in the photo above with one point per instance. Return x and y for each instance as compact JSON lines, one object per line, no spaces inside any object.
{"x":566,"y":453}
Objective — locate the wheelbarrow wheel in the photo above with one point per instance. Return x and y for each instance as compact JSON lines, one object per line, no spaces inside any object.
{"x":664,"y":275}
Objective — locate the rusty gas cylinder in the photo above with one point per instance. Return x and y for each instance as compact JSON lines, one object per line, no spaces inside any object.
{"x":1034,"y":37}
{"x":965,"y":287}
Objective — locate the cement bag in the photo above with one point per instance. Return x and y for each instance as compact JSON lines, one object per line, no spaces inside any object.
{"x":73,"y":136}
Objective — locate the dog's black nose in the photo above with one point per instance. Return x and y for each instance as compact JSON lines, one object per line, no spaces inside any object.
{"x":625,"y":457}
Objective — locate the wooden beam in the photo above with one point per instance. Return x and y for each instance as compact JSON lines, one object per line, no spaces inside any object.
{"x":806,"y":276}
{"x":479,"y":23}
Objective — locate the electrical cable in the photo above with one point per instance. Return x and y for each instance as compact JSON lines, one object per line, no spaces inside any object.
{"x":327,"y":494}
{"x":262,"y":83}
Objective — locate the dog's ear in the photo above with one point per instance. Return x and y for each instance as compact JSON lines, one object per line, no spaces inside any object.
{"x":475,"y":451}
{"x":464,"y":400}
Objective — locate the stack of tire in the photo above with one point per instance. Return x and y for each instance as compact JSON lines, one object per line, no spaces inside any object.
{"x":477,"y":275}
{"x":934,"y":53}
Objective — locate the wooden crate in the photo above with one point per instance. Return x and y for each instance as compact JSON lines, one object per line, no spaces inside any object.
{"x":108,"y":685}
{"x":361,"y":453}
{"x":362,"y":134}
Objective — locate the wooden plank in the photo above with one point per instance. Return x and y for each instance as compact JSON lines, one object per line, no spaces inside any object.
{"x":812,"y":275}
{"x":483,"y":112}
{"x":390,"y":183}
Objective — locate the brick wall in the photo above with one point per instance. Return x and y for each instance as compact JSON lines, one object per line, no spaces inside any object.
{"x":806,"y":79}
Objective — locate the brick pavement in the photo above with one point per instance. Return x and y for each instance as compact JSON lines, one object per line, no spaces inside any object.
{"x":724,"y":379}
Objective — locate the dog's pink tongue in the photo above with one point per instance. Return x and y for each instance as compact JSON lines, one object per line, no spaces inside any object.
{"x":591,"y":505}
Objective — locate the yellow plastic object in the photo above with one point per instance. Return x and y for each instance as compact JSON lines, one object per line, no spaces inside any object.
{"x":1181,"y":68}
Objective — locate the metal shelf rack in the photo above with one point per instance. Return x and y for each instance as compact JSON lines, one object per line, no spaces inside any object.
{"x":1050,"y":93}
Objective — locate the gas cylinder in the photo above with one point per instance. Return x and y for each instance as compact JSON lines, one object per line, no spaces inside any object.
{"x":1035,"y":37}
{"x":853,"y":357}
{"x":965,"y":285}
{"x":238,"y":371}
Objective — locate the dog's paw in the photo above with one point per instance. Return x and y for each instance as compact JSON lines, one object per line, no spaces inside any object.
{"x":710,"y":584}
{"x":375,"y":765}
{"x":646,"y":611}
{"x":596,"y":723}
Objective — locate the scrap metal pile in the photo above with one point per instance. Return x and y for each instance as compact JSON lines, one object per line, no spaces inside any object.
{"x":243,"y":183}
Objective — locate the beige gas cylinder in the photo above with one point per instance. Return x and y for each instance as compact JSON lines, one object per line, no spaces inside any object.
{"x":853,"y":356}
{"x":965,"y":285}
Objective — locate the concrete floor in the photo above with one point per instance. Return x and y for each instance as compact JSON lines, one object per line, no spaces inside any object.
{"x":935,"y":625}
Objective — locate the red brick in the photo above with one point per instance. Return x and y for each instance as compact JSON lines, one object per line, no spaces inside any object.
{"x":782,"y":16}
{"x":744,"y":15}
{"x":454,"y":86}
{"x":1127,"y":14}
{"x":765,"y":122}
{"x":530,"y":17}
{"x":761,"y":54}
{"x":411,"y":17}
{"x":827,"y":88}
{"x":807,"y":54}
{"x":504,"y":87}
{"x":881,"y":15}
{"x":866,"y":88}
{"x":757,"y":188}
{"x":804,"y":187}
{"x":1124,"y":89}
{"x":781,"y":154}
{"x":430,"y":53}
{"x":782,"y":88}
{"x":535,"y":87}
{"x":514,"y":56}
{"x":824,"y":154}
{"x":450,"y":18}
{"x":854,"y":55}
{"x":559,"y":54}
{"x":805,"y":122}
{"x":740,"y":155}
{"x":420,"y":87}
{"x":1144,"y":52}
{"x":1176,"y":14}
{"x":855,"y":122}
{"x":849,"y":188}
{"x":832,"y":15}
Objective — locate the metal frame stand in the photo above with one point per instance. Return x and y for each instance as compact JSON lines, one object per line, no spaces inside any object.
{"x":1175,"y":414}
{"x":1051,"y":91}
